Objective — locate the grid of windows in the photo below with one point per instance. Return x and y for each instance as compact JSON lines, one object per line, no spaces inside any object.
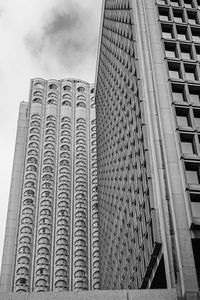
{"x":182,"y":49}
{"x":127,"y":234}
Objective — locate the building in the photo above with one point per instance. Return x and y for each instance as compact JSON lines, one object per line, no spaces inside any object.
{"x":148,"y":125}
{"x":51,"y":240}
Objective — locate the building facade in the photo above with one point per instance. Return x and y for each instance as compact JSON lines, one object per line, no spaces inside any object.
{"x":51,"y":240}
{"x":148,"y":125}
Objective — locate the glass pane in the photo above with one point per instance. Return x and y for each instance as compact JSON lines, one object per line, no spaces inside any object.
{"x":192,"y":176}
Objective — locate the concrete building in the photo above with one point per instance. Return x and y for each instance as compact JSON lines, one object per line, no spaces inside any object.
{"x":51,"y":240}
{"x":148,"y":132}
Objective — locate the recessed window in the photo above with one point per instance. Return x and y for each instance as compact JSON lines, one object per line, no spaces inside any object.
{"x":164,"y":14}
{"x":192,"y":172}
{"x":187,"y":143}
{"x":174,"y":70}
{"x":194,"y":94}
{"x":81,"y":89}
{"x":53,"y":87}
{"x":67,"y":88}
{"x":182,"y":117}
{"x":196,"y":249}
{"x":188,"y":3}
{"x":167,"y":31}
{"x":197,"y":117}
{"x":178,"y":92}
{"x":186,"y":52}
{"x":170,"y":50}
{"x":161,"y":2}
{"x":178,"y":16}
{"x":192,"y":17}
{"x":198,"y":52}
{"x":195,"y":35}
{"x":190,"y":72}
{"x":182,"y":33}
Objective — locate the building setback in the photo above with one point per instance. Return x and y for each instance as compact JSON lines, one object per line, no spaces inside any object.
{"x":51,"y":239}
{"x":148,"y":125}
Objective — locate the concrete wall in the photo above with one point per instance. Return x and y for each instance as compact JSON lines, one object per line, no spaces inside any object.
{"x":97,"y":295}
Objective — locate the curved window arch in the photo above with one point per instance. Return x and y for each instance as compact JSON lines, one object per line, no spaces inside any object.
{"x":53,"y":86}
{"x":80,"y":205}
{"x":27,"y":211}
{"x":62,"y":231}
{"x":35,"y":123}
{"x":80,"y":285}
{"x":79,"y":273}
{"x":81,"y":141}
{"x":35,"y":130}
{"x":81,"y":104}
{"x":80,"y":223}
{"x":22,"y":271}
{"x":80,"y":214}
{"x":37,"y":100}
{"x":35,"y":117}
{"x":66,"y":119}
{"x":33,"y":152}
{"x":81,"y":120}
{"x":51,"y":118}
{"x":80,"y":263}
{"x":48,"y":169}
{"x":46,"y":194}
{"x":52,"y":95}
{"x":61,"y":262}
{"x":81,"y":127}
{"x":50,"y":124}
{"x":32,"y":160}
{"x":30,"y":184}
{"x":65,"y":140}
{"x":50,"y":139}
{"x":31,"y":168}
{"x":80,"y":233}
{"x":49,"y":146}
{"x":64,"y":170}
{"x":39,"y":85}
{"x":62,"y":222}
{"x":24,"y":249}
{"x":48,"y":161}
{"x":61,"y":272}
{"x":23,"y":260}
{"x":81,"y":89}
{"x":67,"y":96}
{"x":93,"y":105}
{"x":44,"y":230}
{"x":63,"y":204}
{"x":41,"y":283}
{"x":81,"y":98}
{"x":47,"y":185}
{"x":62,"y":241}
{"x":65,"y":155}
{"x":47,"y":177}
{"x":42,"y":261}
{"x":33,"y":137}
{"x":92,"y":90}
{"x":46,"y":202}
{"x":28,"y":202}
{"x":45,"y":212}
{"x":80,"y":243}
{"x":44,"y":240}
{"x":26,"y":229}
{"x":52,"y":101}
{"x":38,"y":93}
{"x":66,"y":132}
{"x":66,"y":103}
{"x":43,"y":251}
{"x":25,"y":240}
{"x":50,"y":131}
{"x":48,"y":153}
{"x":67,"y":88}
{"x":61,"y":284}
{"x":64,"y":162}
{"x":29,"y":193}
{"x":62,"y":213}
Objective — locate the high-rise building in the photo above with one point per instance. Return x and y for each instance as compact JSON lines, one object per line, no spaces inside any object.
{"x":148,"y":132}
{"x":51,"y":240}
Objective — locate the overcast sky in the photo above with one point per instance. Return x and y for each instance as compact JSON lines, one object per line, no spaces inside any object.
{"x":39,"y":38}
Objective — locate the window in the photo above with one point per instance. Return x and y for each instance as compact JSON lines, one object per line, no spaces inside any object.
{"x":164,"y":14}
{"x":81,"y":104}
{"x":194,"y":94}
{"x":174,"y":70}
{"x":182,"y":117}
{"x":195,"y":204}
{"x":196,"y":249}
{"x":53,"y":87}
{"x":186,"y":52}
{"x":167,"y":31}
{"x":67,"y":88}
{"x":178,"y":16}
{"x":192,"y":17}
{"x":187,"y":143}
{"x":190,"y":72}
{"x":188,"y":3}
{"x":195,"y":35}
{"x":192,"y":172}
{"x":81,"y":89}
{"x":170,"y":50}
{"x":182,"y":33}
{"x":178,"y":92}
{"x":197,"y":117}
{"x":198,"y":52}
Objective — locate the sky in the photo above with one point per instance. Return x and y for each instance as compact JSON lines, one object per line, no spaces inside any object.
{"x":39,"y":38}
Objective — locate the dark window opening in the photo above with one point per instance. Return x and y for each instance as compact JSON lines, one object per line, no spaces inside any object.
{"x":196,"y":251}
{"x":159,"y":280}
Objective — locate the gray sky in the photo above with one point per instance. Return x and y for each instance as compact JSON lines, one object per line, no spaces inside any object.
{"x":39,"y":38}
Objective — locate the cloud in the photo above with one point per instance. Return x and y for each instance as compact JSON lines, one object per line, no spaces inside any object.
{"x":68,"y":37}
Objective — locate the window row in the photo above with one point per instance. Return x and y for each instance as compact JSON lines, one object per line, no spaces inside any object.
{"x":181,"y":3}
{"x":180,"y":32}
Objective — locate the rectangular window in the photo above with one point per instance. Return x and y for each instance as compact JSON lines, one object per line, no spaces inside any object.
{"x":192,"y":172}
{"x":174,"y":70}
{"x":178,"y":16}
{"x":194,"y":93}
{"x":167,"y":31}
{"x":170,"y":50}
{"x":182,"y":33}
{"x":178,"y":92}
{"x":190,"y":72}
{"x":164,"y":14}
{"x":195,"y":35}
{"x":186,"y":52}
{"x":182,"y":117}
{"x":175,"y":3}
{"x":198,"y":52}
{"x":192,"y":18}
{"x":188,"y":3}
{"x":197,"y":117}
{"x":187,"y":143}
{"x":195,"y":204}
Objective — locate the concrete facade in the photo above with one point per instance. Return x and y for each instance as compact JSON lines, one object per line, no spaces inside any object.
{"x":95,"y":295}
{"x":147,"y":93}
{"x":51,"y":239}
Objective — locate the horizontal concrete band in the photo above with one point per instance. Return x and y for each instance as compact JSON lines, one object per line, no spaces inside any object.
{"x":164,"y":294}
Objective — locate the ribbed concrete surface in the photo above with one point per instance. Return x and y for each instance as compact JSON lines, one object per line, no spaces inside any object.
{"x":95,"y":295}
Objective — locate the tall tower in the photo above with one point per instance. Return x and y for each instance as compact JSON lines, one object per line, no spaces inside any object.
{"x":148,"y":122}
{"x":51,"y":240}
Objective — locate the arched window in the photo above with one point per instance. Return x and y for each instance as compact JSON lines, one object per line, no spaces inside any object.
{"x":53,"y":86}
{"x":65,"y":119}
{"x":81,"y":89}
{"x":52,"y":101}
{"x":37,"y":93}
{"x":38,"y":85}
{"x":80,"y":104}
{"x":67,"y":88}
{"x":35,"y":117}
{"x":81,"y":120}
{"x":50,"y":118}
{"x":66,"y":103}
{"x":37,"y":100}
{"x":52,"y":95}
